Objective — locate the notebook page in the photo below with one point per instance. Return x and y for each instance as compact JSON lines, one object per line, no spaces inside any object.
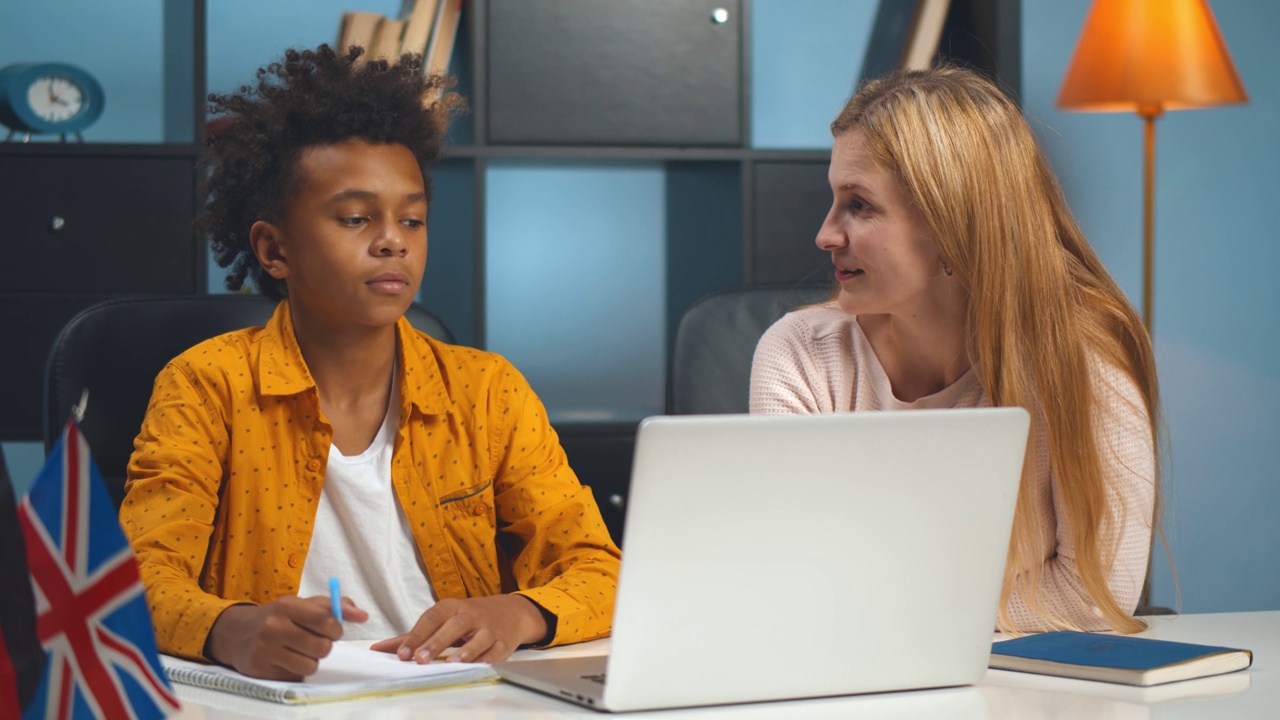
{"x":351,"y":669}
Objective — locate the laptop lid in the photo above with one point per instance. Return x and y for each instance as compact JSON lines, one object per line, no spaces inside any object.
{"x":774,"y":557}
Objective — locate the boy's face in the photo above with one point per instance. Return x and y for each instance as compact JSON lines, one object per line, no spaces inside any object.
{"x":352,"y":244}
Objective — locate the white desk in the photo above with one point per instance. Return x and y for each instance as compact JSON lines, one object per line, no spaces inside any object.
{"x":1254,"y":693}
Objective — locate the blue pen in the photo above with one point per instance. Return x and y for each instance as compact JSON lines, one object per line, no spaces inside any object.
{"x":335,"y":596}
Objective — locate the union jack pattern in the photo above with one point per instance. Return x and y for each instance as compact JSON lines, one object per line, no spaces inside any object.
{"x":93,"y":619}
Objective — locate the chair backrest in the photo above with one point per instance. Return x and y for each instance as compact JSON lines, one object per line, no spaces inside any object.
{"x":710,"y":369}
{"x":115,"y":349}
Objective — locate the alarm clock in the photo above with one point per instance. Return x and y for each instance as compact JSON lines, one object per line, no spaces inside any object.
{"x":48,"y":98}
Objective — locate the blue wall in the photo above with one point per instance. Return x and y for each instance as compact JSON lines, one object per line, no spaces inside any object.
{"x":121,"y":44}
{"x":806,"y":57}
{"x":575,"y":286}
{"x":1217,"y":332}
{"x":1217,"y":339}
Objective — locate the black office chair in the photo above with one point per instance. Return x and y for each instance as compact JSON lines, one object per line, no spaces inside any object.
{"x":710,"y":369}
{"x":116,"y":348}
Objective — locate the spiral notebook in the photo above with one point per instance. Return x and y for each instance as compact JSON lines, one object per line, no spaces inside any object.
{"x":350,"y":671}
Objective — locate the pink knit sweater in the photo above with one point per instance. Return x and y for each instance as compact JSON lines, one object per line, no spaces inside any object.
{"x":816,"y":360}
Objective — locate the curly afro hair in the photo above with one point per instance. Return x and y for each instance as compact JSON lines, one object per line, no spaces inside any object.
{"x":314,"y":97}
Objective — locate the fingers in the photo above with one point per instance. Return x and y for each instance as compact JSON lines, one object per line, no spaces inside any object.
{"x":438,"y":628}
{"x":352,"y":612}
{"x":288,"y":664}
{"x":484,"y":647}
{"x":390,"y":645}
{"x":484,"y":629}
{"x":282,"y":640}
{"x":314,"y":615}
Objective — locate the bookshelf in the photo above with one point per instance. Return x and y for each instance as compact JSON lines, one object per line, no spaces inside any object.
{"x":90,"y":221}
{"x":723,"y":211}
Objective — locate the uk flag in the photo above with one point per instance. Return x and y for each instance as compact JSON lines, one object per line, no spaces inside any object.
{"x":92,"y":617}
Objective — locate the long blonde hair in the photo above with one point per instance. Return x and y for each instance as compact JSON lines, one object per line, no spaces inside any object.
{"x":1041,"y":305}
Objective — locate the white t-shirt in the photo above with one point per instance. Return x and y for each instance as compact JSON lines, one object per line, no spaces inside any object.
{"x":361,"y":536}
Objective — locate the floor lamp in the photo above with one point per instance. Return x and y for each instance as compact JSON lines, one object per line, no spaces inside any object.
{"x":1149,"y":56}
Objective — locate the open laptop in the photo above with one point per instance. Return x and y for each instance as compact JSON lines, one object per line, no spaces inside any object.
{"x":779,"y":557}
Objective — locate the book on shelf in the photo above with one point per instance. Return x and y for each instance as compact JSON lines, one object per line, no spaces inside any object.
{"x":351,"y":670}
{"x":926,"y":33}
{"x":419,"y":17}
{"x":443,"y":34}
{"x":904,"y":36}
{"x":440,"y":45}
{"x":357,"y":28}
{"x":1116,"y":658}
{"x":387,"y":39}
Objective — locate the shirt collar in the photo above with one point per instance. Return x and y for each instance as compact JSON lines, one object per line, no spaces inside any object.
{"x":421,"y":382}
{"x":283,"y":371}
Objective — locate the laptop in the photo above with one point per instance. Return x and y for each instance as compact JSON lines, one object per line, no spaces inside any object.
{"x":780,"y":557}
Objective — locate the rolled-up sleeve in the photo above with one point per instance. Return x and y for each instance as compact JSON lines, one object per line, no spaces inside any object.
{"x":168,"y":512}
{"x":561,"y":555}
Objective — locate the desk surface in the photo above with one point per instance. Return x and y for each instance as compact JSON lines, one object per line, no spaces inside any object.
{"x":1254,"y":693}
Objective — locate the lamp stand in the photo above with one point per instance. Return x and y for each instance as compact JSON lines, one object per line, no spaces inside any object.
{"x":1149,"y":114}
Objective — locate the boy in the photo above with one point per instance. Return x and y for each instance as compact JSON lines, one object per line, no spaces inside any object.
{"x":338,"y":441}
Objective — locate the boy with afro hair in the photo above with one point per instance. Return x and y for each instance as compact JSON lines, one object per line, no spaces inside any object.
{"x":338,"y":441}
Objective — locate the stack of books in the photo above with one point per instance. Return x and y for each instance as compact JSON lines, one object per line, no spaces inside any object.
{"x":423,"y":27}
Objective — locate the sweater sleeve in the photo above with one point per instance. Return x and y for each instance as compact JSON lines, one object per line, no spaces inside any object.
{"x":1125,"y":442}
{"x":174,"y":477}
{"x":561,"y":555}
{"x":785,"y":380}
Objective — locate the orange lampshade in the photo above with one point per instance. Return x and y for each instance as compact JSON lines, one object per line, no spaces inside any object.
{"x":1149,"y":56}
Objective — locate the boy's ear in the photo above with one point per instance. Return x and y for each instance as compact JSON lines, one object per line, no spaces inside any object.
{"x":264,"y":238}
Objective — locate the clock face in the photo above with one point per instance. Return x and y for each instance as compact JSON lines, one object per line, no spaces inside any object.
{"x":48,"y":98}
{"x":54,"y":98}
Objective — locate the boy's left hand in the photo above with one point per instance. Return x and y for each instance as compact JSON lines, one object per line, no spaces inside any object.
{"x":488,"y":629}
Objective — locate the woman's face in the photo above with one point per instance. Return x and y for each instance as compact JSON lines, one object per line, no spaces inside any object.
{"x":886,"y":261}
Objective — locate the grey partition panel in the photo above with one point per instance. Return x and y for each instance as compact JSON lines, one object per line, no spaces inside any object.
{"x":615,"y":72}
{"x":704,"y":233}
{"x":790,"y":201}
{"x":449,"y":284}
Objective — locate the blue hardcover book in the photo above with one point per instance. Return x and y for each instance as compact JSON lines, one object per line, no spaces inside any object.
{"x":1115,"y":658}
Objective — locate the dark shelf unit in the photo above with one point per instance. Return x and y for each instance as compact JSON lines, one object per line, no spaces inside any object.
{"x":91,"y":221}
{"x":692,"y":168}
{"x":734,"y":211}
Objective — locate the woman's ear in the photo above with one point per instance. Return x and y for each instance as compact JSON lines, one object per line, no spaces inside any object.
{"x":264,"y":238}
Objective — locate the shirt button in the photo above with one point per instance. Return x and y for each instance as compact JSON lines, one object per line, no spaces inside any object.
{"x":479,"y":509}
{"x":313,"y":465}
{"x":293,"y":561}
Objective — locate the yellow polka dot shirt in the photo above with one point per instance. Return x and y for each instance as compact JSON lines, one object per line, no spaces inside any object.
{"x":228,"y":467}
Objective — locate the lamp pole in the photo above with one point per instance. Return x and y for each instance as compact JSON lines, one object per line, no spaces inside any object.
{"x":1149,"y":114}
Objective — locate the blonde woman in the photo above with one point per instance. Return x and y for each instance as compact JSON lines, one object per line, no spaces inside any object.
{"x":964,"y":281}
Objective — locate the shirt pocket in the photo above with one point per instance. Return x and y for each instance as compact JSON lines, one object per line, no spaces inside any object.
{"x":469,"y":518}
{"x":470,"y":507}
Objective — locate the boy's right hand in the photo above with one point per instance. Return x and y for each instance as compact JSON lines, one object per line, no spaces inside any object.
{"x":282,"y":640}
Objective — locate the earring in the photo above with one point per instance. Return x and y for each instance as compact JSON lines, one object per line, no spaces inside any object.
{"x":947,"y":269}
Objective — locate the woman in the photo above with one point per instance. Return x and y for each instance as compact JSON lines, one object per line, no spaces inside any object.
{"x":964,"y":281}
